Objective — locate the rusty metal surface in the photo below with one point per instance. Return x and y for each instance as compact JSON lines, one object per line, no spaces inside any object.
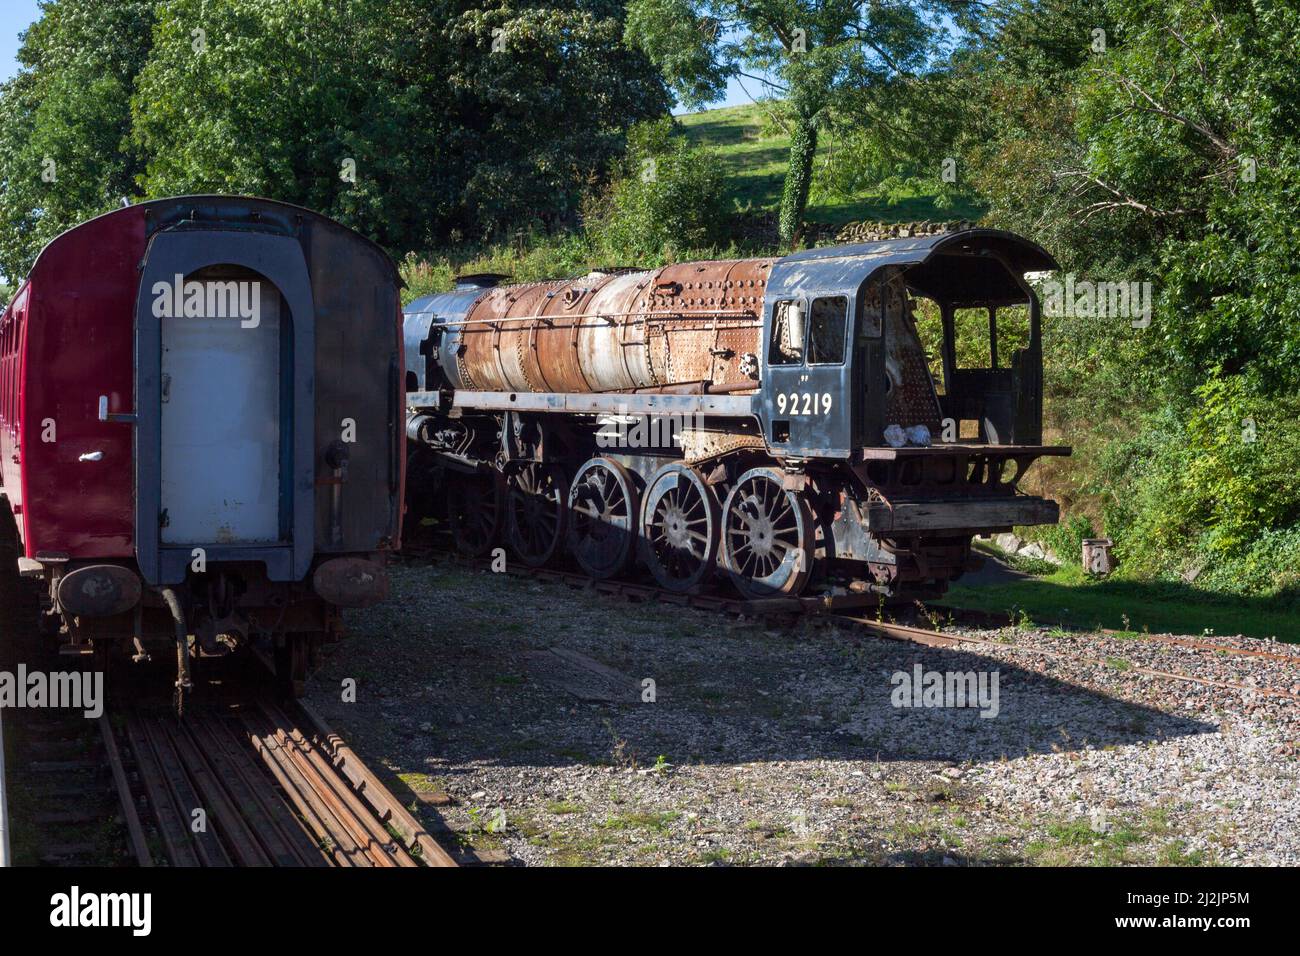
{"x":699,"y":444}
{"x":345,"y":761}
{"x":328,"y":808}
{"x":130,"y":816}
{"x":683,"y":323}
{"x":351,"y":582}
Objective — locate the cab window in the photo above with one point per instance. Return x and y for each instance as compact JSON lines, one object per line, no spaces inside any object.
{"x":786,"y":347}
{"x":826,"y":330}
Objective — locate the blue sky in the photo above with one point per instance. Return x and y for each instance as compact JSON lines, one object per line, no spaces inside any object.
{"x":17,"y":15}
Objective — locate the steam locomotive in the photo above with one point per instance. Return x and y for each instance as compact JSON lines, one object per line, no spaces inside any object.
{"x":777,"y":421}
{"x":201,"y":430}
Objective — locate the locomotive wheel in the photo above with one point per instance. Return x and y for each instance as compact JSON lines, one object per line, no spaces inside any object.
{"x":603,"y":515}
{"x":474,"y":512}
{"x":767,"y":536}
{"x":537,"y":501}
{"x":679,"y":528}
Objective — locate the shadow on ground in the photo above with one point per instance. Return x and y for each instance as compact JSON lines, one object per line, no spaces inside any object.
{"x":480,"y":668}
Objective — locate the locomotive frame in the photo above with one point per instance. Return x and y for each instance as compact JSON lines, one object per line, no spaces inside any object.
{"x":782,"y":473}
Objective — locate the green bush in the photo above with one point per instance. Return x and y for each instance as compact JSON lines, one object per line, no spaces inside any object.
{"x":1269,"y":567}
{"x":1209,"y":490}
{"x":1065,"y":539}
{"x":668,"y":199}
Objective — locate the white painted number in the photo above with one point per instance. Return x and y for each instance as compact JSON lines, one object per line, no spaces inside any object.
{"x":803,"y":403}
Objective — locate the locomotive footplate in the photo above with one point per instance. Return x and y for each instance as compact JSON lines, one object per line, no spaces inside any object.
{"x":975,"y":514}
{"x":1004,"y":451}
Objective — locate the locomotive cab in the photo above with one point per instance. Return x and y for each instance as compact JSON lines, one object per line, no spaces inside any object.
{"x":846,"y":360}
{"x":919,"y":363}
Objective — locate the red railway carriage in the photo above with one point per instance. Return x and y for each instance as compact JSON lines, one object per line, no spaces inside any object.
{"x":201,"y":431}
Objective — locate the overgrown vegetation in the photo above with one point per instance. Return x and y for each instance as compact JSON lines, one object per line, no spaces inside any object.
{"x":669,"y":197}
{"x":828,"y":64}
{"x":1163,"y":150}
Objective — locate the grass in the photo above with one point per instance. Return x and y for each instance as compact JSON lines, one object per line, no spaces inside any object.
{"x":641,"y":821}
{"x":1074,"y":842}
{"x":1068,"y":596}
{"x":755,"y":151}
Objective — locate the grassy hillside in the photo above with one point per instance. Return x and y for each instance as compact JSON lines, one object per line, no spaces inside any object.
{"x":755,"y":151}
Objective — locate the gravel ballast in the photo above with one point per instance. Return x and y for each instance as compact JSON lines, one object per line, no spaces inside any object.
{"x":519,"y":715}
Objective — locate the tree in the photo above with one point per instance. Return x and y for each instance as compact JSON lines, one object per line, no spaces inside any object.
{"x":402,"y":118}
{"x":1144,"y":140}
{"x":813,"y":54}
{"x":669,"y":196}
{"x":65,"y":151}
{"x":545,"y":95}
{"x":405,"y":119}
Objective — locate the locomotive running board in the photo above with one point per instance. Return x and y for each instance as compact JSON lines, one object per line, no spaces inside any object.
{"x":949,"y":448}
{"x":1006,"y":511}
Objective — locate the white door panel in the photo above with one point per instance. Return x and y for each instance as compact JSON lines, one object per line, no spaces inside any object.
{"x":221,"y":428}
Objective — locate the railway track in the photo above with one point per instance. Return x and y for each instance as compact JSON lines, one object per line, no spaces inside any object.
{"x":840,"y":607}
{"x":933,"y":638}
{"x":634,"y":591}
{"x":247,"y":783}
{"x":260,"y":784}
{"x":63,"y":791}
{"x":255,"y":784}
{"x":985,"y":619}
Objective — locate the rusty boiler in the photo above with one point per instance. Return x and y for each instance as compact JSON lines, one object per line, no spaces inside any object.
{"x":690,"y":326}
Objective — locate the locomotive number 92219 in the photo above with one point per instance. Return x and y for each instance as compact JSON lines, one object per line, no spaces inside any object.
{"x":803,"y":403}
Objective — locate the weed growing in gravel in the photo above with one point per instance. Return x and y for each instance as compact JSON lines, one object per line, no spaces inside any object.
{"x":1176,"y":854}
{"x":618,"y":749}
{"x":935,"y":619}
{"x":1075,"y":841}
{"x":641,"y":821}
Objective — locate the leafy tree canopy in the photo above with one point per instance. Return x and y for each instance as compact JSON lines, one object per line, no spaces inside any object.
{"x":406,"y":119}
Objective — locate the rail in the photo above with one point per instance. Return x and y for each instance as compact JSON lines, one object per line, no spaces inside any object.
{"x":842,"y":608}
{"x":275,"y":786}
